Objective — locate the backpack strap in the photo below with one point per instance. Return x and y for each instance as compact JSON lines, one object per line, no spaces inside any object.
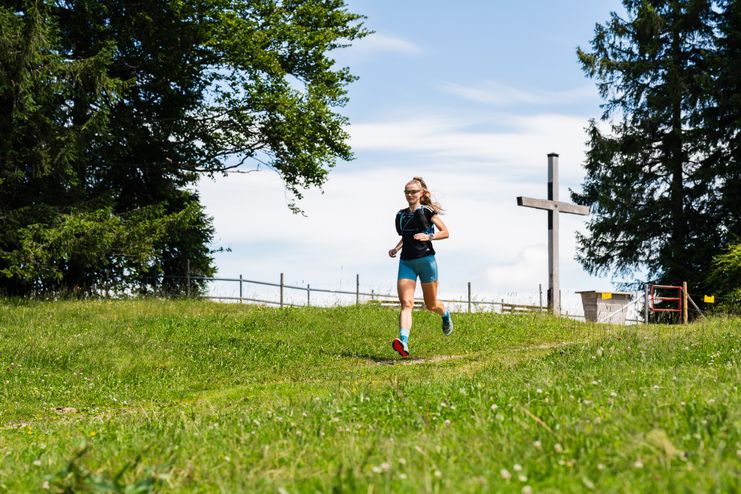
{"x":422,"y":218}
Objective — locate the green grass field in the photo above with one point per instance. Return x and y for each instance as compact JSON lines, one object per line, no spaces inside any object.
{"x":188,"y":396}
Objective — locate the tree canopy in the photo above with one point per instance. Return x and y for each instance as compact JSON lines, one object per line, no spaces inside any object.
{"x":663,"y":163}
{"x":112,"y":110}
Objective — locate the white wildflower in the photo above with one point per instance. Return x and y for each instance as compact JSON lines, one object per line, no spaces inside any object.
{"x":505,"y":474}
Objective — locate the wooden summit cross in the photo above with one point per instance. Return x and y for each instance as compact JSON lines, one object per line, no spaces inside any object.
{"x":553,"y":206}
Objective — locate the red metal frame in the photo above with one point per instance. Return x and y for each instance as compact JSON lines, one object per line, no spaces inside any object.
{"x":653,"y":298}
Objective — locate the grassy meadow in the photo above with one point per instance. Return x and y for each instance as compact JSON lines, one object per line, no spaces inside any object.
{"x":190,"y":396}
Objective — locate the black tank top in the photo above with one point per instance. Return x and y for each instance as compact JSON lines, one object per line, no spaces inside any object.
{"x":410,"y":223}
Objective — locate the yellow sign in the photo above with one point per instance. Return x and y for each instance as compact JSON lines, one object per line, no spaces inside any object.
{"x":606,"y":296}
{"x":709,"y":299}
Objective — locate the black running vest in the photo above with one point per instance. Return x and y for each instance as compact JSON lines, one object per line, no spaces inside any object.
{"x":410,"y":223}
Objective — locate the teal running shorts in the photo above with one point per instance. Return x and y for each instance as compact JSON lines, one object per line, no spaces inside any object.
{"x":424,"y":267}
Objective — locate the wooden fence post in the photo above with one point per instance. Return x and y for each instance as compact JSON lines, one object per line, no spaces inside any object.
{"x":187,"y":278}
{"x":684,"y":302}
{"x":540,"y":295}
{"x":240,"y":288}
{"x":645,"y":303}
{"x":469,"y":297}
{"x":281,"y":290}
{"x":357,"y":289}
{"x":308,"y":295}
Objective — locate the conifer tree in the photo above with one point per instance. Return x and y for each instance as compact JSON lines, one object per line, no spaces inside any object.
{"x":657,"y":181}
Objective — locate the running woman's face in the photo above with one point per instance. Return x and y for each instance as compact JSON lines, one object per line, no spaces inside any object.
{"x":412,"y":192}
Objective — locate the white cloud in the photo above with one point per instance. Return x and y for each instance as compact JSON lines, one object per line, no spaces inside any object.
{"x":494,"y":93}
{"x":530,"y":263}
{"x":383,"y":43}
{"x":522,"y":147}
{"x":476,"y":175}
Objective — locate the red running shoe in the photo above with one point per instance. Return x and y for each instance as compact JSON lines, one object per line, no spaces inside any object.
{"x":401,"y":347}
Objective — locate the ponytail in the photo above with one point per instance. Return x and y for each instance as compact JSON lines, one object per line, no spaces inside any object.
{"x":426,"y":199}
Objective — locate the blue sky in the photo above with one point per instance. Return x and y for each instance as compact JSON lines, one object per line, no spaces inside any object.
{"x":528,"y":45}
{"x":472,"y":96}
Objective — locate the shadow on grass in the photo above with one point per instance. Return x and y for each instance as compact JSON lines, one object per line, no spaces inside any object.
{"x":385,"y":360}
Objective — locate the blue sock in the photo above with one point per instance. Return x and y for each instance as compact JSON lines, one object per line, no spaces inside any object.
{"x":446,"y":316}
{"x":404,"y":335}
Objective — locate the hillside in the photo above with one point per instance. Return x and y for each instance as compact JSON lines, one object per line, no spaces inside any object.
{"x":189,"y":396}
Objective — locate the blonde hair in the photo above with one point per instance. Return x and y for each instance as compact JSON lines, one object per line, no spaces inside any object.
{"x":426,"y":199}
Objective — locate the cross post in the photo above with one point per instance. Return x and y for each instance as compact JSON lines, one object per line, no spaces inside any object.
{"x":553,"y":206}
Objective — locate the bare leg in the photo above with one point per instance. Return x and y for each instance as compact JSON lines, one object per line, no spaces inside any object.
{"x":406,"y":288}
{"x":429,"y":290}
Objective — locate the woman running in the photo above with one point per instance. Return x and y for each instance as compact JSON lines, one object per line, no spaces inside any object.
{"x":416,"y":225}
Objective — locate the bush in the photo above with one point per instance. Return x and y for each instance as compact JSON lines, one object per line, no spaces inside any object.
{"x":725,"y":277}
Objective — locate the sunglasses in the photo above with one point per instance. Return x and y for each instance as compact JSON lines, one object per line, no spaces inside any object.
{"x":412,"y":191}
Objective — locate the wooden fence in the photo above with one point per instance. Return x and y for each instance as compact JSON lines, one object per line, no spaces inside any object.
{"x":385,"y":300}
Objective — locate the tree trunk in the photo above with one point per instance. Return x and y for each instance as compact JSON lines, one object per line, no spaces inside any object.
{"x":676,"y":154}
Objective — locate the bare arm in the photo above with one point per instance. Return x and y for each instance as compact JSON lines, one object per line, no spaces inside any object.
{"x":441,"y":234}
{"x":392,"y":252}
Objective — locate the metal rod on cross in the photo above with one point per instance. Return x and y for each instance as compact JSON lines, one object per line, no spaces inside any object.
{"x":553,"y":206}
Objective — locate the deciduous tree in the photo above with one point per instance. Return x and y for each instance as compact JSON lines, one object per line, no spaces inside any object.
{"x":117,"y":108}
